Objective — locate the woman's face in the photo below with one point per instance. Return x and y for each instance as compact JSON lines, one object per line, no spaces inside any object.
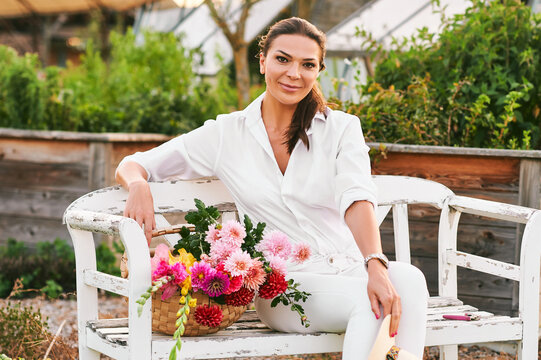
{"x":291,"y":67}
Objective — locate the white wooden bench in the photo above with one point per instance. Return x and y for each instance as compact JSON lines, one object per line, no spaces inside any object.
{"x":132,"y":338}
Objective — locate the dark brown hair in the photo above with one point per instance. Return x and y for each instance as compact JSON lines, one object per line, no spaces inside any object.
{"x":314,"y":101}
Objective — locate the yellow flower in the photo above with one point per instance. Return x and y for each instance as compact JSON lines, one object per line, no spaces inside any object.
{"x":182,"y":300}
{"x":184,"y":291}
{"x":187,"y":311}
{"x":192,"y":302}
{"x":184,"y":257}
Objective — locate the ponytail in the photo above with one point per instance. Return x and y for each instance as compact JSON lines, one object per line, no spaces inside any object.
{"x":303,"y":116}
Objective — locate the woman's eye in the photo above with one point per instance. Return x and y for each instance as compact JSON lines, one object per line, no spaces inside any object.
{"x":310,"y":65}
{"x":281,"y":59}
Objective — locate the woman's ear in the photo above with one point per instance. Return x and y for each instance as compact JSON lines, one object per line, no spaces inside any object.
{"x":261,"y":63}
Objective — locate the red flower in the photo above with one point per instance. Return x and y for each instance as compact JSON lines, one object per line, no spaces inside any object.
{"x":274,"y":285}
{"x":210,"y":316}
{"x":241,"y":297}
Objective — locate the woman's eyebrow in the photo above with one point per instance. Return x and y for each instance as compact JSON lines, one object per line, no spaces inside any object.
{"x":286,"y":54}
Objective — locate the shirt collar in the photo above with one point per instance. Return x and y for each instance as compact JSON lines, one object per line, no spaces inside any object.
{"x":252,"y":112}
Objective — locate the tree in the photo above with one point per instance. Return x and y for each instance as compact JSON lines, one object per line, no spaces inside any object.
{"x":235,"y":36}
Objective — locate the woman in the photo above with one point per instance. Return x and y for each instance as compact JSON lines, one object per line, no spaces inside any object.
{"x":301,"y":168}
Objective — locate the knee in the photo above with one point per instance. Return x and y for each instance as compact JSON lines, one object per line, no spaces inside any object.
{"x":407,"y":278}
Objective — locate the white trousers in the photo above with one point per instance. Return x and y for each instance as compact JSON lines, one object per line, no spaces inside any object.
{"x":339,"y":303}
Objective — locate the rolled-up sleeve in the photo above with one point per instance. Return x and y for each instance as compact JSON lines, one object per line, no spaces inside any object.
{"x":187,"y":156}
{"x":353,"y":177}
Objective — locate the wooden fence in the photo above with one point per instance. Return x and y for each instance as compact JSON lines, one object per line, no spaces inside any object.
{"x":42,"y":172}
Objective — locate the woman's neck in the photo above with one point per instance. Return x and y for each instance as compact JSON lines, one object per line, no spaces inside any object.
{"x":276,"y":116}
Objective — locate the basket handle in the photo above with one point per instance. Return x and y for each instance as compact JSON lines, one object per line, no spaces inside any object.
{"x":173,"y":229}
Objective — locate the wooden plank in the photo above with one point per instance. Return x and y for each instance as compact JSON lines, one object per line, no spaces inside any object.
{"x":491,"y":209}
{"x":496,"y":243}
{"x":36,"y":203}
{"x":451,"y":150}
{"x":456,"y":172}
{"x":43,"y":151}
{"x":471,"y":284}
{"x":123,"y":149}
{"x":99,"y":168}
{"x":442,"y":301}
{"x":81,"y":136}
{"x":107,"y":282}
{"x":451,"y":309}
{"x":500,"y":306}
{"x":20,"y":228}
{"x":107,"y":323}
{"x":467,"y":332}
{"x":528,"y":195}
{"x":26,"y":175}
{"x":485,"y":265}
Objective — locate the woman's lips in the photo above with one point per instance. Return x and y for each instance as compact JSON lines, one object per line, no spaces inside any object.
{"x":289,"y":88}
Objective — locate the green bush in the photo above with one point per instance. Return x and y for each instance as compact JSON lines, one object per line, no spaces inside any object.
{"x":148,"y":87}
{"x":50,"y":268}
{"x":477,"y":84}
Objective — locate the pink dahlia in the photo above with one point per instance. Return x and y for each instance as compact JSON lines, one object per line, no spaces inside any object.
{"x":277,"y":264}
{"x":213,"y":234}
{"x":238,"y":263}
{"x":216,"y":284}
{"x":200,"y":272}
{"x":177,"y":270}
{"x":275,"y":243}
{"x":220,"y":250}
{"x":210,"y":316}
{"x":233,"y":232}
{"x":301,"y":252}
{"x":255,"y":276}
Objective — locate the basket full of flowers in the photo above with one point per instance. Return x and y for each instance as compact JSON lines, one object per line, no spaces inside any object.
{"x":215,"y":270}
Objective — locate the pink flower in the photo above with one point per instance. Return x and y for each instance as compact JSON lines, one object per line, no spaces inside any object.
{"x":160,"y":253}
{"x":219,"y":251}
{"x":233,"y":232}
{"x":275,"y":243}
{"x":177,"y":270}
{"x":301,"y":252}
{"x":235,"y":283}
{"x":213,"y":234}
{"x":238,"y":263}
{"x":255,"y":276}
{"x":216,"y":283}
{"x":200,"y":272}
{"x":277,"y":264}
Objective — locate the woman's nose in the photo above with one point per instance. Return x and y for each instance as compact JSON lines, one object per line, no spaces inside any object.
{"x":293,"y":71}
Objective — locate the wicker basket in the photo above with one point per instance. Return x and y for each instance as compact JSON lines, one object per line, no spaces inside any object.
{"x":164,"y":312}
{"x":164,"y":315}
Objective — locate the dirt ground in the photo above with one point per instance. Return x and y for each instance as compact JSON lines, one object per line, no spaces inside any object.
{"x":56,"y":311}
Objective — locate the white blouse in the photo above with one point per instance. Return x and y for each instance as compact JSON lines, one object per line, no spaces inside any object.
{"x":307,"y":202}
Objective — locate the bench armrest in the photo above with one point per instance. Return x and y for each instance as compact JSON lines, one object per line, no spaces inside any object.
{"x":492,"y":209}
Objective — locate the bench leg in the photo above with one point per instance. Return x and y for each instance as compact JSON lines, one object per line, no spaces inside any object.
{"x":87,"y":296}
{"x":449,"y":352}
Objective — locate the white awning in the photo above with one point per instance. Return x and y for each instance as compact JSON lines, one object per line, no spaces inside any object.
{"x":386,"y":19}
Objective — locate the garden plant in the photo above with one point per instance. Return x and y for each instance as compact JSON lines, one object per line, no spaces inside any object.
{"x":476,"y":84}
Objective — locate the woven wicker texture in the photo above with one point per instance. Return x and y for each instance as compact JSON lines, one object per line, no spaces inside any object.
{"x":164,"y":315}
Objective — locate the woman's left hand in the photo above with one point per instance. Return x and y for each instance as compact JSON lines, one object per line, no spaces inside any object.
{"x":381,"y":292}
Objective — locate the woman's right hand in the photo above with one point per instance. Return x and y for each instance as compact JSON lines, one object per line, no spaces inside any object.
{"x":140,"y":207}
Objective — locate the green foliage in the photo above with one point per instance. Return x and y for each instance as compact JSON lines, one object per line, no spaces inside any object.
{"x":477,"y":84}
{"x":50,"y":268}
{"x":21,"y":331}
{"x":147,"y":87}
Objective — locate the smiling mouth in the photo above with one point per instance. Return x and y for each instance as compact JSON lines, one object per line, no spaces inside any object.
{"x":289,"y":87}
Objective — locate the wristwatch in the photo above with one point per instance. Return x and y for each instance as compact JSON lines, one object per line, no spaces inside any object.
{"x":381,"y":257}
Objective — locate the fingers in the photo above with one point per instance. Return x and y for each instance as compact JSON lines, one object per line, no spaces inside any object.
{"x":396,"y":313}
{"x":374,"y":304}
